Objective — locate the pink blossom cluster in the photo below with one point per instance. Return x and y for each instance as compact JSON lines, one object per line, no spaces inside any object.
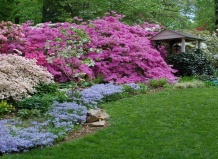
{"x":127,"y":53}
{"x":11,"y":37}
{"x":49,"y":40}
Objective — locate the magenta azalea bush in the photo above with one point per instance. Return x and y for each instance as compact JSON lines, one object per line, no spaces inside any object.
{"x":127,"y":54}
{"x":52,"y":40}
{"x":11,"y":37}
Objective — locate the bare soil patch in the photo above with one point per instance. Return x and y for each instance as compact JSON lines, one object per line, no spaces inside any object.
{"x":84,"y":131}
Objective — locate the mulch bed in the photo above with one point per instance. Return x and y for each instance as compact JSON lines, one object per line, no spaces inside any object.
{"x":84,"y":131}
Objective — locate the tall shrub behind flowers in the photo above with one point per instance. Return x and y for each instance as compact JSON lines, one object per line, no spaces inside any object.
{"x":127,"y":54}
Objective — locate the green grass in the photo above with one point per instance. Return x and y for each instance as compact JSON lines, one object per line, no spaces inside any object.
{"x":173,"y":124}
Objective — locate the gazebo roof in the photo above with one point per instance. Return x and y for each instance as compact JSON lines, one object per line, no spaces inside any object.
{"x":168,"y":35}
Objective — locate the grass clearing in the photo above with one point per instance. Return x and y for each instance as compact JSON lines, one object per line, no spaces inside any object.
{"x":169,"y":124}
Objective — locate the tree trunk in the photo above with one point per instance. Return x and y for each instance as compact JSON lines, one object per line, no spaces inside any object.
{"x":17,"y":20}
{"x":216,"y":14}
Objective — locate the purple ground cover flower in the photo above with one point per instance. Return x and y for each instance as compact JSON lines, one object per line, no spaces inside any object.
{"x":96,"y":93}
{"x":133,"y":86}
{"x":15,"y":139}
{"x":61,"y":117}
{"x":68,"y":112}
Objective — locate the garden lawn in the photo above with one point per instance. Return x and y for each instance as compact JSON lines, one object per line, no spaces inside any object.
{"x":171,"y":124}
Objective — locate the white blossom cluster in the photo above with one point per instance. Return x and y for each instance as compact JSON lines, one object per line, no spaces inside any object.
{"x":19,"y":76}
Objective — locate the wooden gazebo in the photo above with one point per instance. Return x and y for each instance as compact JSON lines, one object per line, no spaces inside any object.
{"x":173,"y":37}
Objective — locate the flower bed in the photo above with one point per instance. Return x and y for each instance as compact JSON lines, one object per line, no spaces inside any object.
{"x":61,"y":118}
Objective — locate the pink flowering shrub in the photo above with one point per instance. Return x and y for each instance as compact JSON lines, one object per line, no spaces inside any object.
{"x":19,"y":76}
{"x":36,"y":39}
{"x":127,"y":55}
{"x":48,"y":42}
{"x":11,"y":37}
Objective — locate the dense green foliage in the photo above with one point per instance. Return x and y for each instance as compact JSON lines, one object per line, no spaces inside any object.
{"x":137,"y":11}
{"x":205,"y":14}
{"x":157,"y":83}
{"x":44,"y":88}
{"x":209,"y":45}
{"x":20,"y":11}
{"x":43,"y":99}
{"x":191,"y":63}
{"x":169,"y":124}
{"x":42,"y":102}
{"x":28,"y":114}
{"x":5,"y":108}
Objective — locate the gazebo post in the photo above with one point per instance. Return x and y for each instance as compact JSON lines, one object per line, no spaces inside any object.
{"x":199,"y":44}
{"x":183,"y":45}
{"x":171,"y":47}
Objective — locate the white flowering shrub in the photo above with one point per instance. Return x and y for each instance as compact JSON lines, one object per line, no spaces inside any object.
{"x":209,"y":46}
{"x":19,"y":76}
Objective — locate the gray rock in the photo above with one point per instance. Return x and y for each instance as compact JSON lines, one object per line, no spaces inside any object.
{"x":97,"y":124}
{"x":96,"y":115}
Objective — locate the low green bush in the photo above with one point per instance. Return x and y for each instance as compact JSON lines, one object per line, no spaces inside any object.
{"x":191,"y":63}
{"x":114,"y":97}
{"x":5,"y":107}
{"x":46,"y":88}
{"x":128,"y":89}
{"x":42,"y":102}
{"x":210,"y":83}
{"x":98,"y":79}
{"x":156,"y":83}
{"x":190,"y":84}
{"x":143,"y":87}
{"x":187,"y":78}
{"x":45,"y":96}
{"x":27,"y":113}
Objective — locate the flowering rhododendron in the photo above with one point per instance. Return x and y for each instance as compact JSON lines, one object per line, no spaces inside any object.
{"x":19,"y":76}
{"x":127,"y":53}
{"x":51,"y":45}
{"x":11,"y":37}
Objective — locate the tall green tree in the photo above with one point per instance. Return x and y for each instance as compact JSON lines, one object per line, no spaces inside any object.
{"x":65,"y":10}
{"x":6,"y":8}
{"x":169,"y":13}
{"x":27,"y":10}
{"x":50,"y":10}
{"x":216,"y":13}
{"x":19,"y":11}
{"x":205,"y":14}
